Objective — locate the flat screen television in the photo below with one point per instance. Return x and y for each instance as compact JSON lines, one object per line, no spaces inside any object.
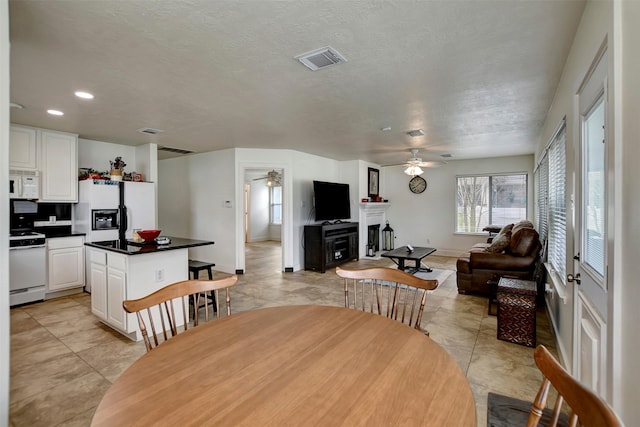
{"x":331,"y":201}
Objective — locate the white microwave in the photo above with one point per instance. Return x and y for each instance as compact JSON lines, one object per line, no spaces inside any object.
{"x":24,"y":185}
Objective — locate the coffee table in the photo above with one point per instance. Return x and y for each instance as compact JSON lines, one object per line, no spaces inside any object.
{"x":400,"y":255}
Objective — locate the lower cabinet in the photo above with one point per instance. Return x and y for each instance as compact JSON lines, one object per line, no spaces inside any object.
{"x":65,"y":259}
{"x":116,"y":277}
{"x":108,"y":287}
{"x":116,"y":292}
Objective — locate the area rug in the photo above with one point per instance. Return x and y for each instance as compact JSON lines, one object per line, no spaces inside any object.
{"x":437,"y":274}
{"x":505,"y":411}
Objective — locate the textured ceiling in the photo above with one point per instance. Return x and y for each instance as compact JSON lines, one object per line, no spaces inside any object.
{"x":477,"y":76}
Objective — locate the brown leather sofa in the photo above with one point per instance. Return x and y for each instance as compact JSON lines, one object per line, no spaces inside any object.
{"x":518,"y":259}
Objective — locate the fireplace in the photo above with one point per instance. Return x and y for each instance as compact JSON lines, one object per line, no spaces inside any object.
{"x":373,"y":237}
{"x":372,"y":215}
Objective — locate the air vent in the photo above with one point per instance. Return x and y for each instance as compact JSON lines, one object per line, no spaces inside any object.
{"x":150,"y":131}
{"x":416,"y":132}
{"x":321,"y":58}
{"x":446,"y":155}
{"x":175,"y":150}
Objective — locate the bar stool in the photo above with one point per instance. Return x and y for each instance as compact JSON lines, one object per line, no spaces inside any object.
{"x":195,"y":267}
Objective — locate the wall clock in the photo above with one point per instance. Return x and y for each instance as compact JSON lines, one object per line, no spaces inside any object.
{"x":417,"y":184}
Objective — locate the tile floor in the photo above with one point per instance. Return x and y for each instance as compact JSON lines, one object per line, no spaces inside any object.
{"x":63,"y":359}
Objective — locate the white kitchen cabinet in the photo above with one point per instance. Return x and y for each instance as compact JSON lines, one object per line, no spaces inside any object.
{"x":108,"y":287}
{"x":58,"y":166}
{"x":116,"y":282}
{"x":116,"y":277}
{"x":98,"y":274}
{"x":23,"y":148}
{"x":65,"y":263}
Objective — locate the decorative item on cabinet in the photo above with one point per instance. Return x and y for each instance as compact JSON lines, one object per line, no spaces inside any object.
{"x":117,"y":167}
{"x":387,"y":237}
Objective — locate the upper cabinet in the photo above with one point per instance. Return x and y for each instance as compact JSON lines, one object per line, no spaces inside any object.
{"x":23,"y":148}
{"x":54,"y":154}
{"x":58,"y":166}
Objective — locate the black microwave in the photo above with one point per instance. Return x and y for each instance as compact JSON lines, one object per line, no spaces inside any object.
{"x":104,"y":219}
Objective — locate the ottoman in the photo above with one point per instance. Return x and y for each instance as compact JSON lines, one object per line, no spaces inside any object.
{"x":517,"y":311}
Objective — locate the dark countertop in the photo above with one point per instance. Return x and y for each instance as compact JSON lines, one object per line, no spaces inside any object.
{"x":66,"y":235}
{"x":133,"y":248}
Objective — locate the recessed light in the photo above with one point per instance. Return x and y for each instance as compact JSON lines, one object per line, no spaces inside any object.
{"x":55,"y":112}
{"x":386,"y":129}
{"x":84,"y":95}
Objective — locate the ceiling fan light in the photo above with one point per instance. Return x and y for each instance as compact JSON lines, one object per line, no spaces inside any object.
{"x":413,"y":170}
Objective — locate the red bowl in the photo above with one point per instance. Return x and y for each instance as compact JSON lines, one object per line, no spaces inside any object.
{"x":148,"y":235}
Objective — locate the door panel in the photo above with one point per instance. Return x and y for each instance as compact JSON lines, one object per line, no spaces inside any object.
{"x":590,"y":238}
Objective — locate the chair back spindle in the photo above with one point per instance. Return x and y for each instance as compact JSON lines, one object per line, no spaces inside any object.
{"x":162,"y":309}
{"x":388,"y":292}
{"x":587,"y":408}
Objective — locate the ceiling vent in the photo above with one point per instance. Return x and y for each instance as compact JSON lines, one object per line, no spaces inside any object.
{"x":414,"y":133}
{"x":175,"y":150}
{"x":446,"y":155}
{"x":150,"y":131}
{"x":321,"y":58}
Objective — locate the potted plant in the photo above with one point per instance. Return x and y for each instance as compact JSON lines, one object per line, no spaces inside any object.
{"x":117,"y":166}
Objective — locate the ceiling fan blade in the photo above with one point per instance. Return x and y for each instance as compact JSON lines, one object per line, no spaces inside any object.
{"x":432,"y":164}
{"x":394,"y":164}
{"x":258,"y":179}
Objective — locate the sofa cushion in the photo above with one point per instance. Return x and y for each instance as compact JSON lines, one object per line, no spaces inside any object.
{"x":500,"y":242}
{"x":525,"y":242}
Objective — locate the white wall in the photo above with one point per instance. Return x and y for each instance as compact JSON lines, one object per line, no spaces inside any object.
{"x":592,"y":31}
{"x":259,"y":209}
{"x":192,"y":191}
{"x":96,"y":155}
{"x":427,"y":219}
{"x":628,"y":205}
{"x":4,"y":214}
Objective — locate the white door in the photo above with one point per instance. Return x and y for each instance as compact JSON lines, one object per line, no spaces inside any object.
{"x":591,"y":216}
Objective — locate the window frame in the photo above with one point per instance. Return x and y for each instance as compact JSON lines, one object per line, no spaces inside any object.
{"x":553,"y":162}
{"x":272,"y":205}
{"x":490,"y":208}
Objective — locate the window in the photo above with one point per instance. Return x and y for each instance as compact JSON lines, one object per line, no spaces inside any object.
{"x":275,"y":205}
{"x":551,"y":212}
{"x":490,"y":199}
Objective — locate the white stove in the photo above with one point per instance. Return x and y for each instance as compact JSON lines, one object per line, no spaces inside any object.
{"x":27,"y":267}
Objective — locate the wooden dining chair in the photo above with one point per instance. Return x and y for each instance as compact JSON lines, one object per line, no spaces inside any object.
{"x":388,"y":292}
{"x":586,"y":406}
{"x":164,"y":307}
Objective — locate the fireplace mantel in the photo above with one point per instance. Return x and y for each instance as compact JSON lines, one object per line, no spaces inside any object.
{"x":375,"y":206}
{"x":371,"y":213}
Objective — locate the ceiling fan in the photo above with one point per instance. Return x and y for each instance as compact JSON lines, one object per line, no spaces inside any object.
{"x":415,"y":163}
{"x":274,"y":178}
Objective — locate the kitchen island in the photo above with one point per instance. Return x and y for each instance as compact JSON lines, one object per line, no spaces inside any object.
{"x":119,"y":270}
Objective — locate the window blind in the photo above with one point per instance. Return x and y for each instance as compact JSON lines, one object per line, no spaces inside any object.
{"x":542,"y":198}
{"x":557,"y":242}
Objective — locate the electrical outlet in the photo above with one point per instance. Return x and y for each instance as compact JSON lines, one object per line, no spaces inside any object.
{"x":159,"y":275}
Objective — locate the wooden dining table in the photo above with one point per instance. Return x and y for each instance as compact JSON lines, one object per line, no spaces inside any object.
{"x":296,"y":366}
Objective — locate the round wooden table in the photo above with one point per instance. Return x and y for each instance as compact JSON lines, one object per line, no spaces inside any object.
{"x":293,"y":365}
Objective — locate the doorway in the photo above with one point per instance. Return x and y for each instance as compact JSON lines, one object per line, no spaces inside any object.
{"x":263,"y":219}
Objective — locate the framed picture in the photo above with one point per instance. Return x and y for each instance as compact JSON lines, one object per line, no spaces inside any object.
{"x":374,"y":182}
